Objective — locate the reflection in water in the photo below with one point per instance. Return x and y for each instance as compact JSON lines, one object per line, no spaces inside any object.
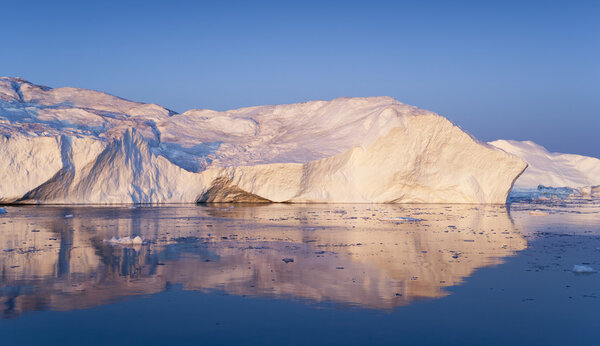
{"x":557,"y":216}
{"x":375,"y":256}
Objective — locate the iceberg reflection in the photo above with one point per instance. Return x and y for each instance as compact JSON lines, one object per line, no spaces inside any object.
{"x":373,"y":256}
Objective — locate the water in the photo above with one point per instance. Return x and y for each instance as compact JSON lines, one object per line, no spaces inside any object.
{"x":301,"y":274}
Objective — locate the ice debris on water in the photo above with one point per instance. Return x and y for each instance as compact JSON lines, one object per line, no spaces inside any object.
{"x":582,"y":269}
{"x":402,"y":218}
{"x":124,"y":241}
{"x":288,"y":260}
{"x":68,"y":216}
{"x":3,"y":211}
{"x":538,"y":213}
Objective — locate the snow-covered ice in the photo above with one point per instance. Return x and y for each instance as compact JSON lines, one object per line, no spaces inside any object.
{"x":69,"y":145}
{"x":580,"y":174}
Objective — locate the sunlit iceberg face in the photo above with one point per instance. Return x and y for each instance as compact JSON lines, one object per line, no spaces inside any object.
{"x":373,"y":256}
{"x":77,"y":146}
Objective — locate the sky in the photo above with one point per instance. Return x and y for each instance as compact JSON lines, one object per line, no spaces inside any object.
{"x":525,"y":70}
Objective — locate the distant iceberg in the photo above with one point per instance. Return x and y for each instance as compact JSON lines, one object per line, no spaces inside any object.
{"x":69,"y":145}
{"x":553,"y":174}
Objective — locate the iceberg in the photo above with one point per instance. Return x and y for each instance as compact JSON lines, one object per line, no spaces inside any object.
{"x":554,"y":174}
{"x":68,"y":145}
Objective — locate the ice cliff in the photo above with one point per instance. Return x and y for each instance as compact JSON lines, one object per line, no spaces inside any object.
{"x":577,"y":172}
{"x":68,"y":145}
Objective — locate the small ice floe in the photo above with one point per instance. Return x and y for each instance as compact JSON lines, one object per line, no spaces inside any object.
{"x":401,"y":218}
{"x":125,"y":241}
{"x":3,"y":211}
{"x":582,"y":269}
{"x":538,"y":213}
{"x":68,"y":216}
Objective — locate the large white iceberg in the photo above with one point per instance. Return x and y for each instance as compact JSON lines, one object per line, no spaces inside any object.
{"x":70,"y":145}
{"x":581,"y":173}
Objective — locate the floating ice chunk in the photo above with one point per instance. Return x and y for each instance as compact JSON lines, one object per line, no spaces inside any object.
{"x":401,"y":218}
{"x":582,"y":269}
{"x":3,"y":211}
{"x":113,"y":240}
{"x":538,"y":213}
{"x":411,"y":219}
{"x":68,"y":216}
{"x":124,"y":241}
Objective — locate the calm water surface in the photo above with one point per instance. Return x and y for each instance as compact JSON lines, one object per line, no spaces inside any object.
{"x":301,"y":274}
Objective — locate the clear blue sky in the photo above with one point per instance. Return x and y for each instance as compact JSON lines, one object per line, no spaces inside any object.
{"x":499,"y":69}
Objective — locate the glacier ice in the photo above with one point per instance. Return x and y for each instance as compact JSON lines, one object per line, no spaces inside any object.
{"x":69,"y":145}
{"x":553,"y":173}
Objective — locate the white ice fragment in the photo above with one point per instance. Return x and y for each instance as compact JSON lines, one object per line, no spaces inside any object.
{"x":538,"y":213}
{"x":124,"y":241}
{"x":401,"y":218}
{"x":582,"y":269}
{"x":68,"y":216}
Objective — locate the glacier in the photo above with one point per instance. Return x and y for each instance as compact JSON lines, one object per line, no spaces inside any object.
{"x":69,"y":145}
{"x":560,"y":174}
